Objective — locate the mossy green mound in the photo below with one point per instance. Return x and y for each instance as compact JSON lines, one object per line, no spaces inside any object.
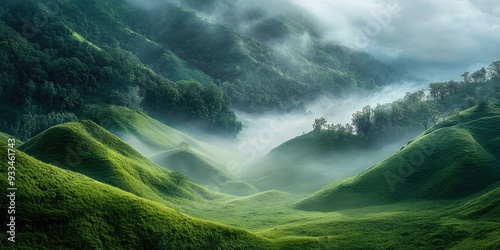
{"x":60,"y":209}
{"x":154,"y":137}
{"x":454,"y":159}
{"x":86,"y":148}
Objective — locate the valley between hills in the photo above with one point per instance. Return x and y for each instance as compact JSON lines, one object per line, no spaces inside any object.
{"x":108,"y":195}
{"x":121,"y":128}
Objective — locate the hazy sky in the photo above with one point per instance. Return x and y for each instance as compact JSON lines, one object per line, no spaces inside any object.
{"x":457,"y":34}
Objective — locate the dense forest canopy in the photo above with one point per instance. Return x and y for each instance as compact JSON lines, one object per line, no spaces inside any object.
{"x":61,"y":58}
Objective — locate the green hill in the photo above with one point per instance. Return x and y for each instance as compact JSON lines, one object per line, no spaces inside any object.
{"x":456,"y":158}
{"x":311,"y":161}
{"x":4,"y":137}
{"x":152,"y":137}
{"x":485,"y":206}
{"x":202,"y":171}
{"x":86,"y":148}
{"x":60,"y":209}
{"x":264,"y":197}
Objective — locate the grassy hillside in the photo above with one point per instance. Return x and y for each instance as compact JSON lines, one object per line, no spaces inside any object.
{"x":60,"y":209}
{"x":86,"y":148}
{"x":201,"y":171}
{"x":410,"y":225}
{"x":311,"y":161}
{"x":484,"y":206}
{"x":4,"y":137}
{"x":152,"y":137}
{"x":456,"y":158}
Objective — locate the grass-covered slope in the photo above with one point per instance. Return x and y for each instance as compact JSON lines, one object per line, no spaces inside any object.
{"x":60,"y":209}
{"x":264,"y":197}
{"x":456,"y":158}
{"x":311,"y":161}
{"x":86,"y":148}
{"x":151,"y":137}
{"x":202,"y":171}
{"x":485,"y":206}
{"x":4,"y":137}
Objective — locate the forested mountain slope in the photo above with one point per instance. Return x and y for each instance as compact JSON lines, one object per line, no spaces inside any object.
{"x":170,"y":61}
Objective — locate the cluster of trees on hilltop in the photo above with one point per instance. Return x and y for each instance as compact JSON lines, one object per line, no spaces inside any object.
{"x":420,"y":110}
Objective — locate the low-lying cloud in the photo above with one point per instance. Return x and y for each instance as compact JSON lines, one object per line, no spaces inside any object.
{"x":437,"y":33}
{"x":263,"y":132}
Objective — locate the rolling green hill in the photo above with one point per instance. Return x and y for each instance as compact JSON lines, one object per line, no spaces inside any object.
{"x":202,"y":171}
{"x":152,"y":137}
{"x":86,"y":148}
{"x":4,"y":137}
{"x":311,"y":161}
{"x":60,"y":209}
{"x":485,"y":206}
{"x":264,"y":197}
{"x":456,"y":158}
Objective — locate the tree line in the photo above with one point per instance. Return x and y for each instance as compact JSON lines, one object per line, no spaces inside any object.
{"x":422,"y":108}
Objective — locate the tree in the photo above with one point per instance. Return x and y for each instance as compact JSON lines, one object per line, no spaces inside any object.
{"x":437,"y":90}
{"x":479,"y":76}
{"x":364,"y":120}
{"x":469,"y":102}
{"x":130,"y":98}
{"x":465,"y":77}
{"x":456,"y":112}
{"x":435,"y":115}
{"x":494,"y":69}
{"x":319,"y":124}
{"x":178,"y":178}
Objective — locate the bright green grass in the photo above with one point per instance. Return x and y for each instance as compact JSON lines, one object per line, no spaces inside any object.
{"x":96,"y":215}
{"x":429,"y":224}
{"x":60,"y":209}
{"x":81,"y":39}
{"x":134,"y":126}
{"x":86,"y":148}
{"x":5,"y":137}
{"x":452,"y":160}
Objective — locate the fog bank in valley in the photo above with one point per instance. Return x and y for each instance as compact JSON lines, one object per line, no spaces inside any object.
{"x":263,"y":132}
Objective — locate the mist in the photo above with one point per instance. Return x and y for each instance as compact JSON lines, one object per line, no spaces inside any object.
{"x":263,"y":132}
{"x":436,"y":40}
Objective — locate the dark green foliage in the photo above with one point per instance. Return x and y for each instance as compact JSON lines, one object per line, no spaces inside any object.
{"x":178,"y":178}
{"x":319,"y":124}
{"x":28,"y":124}
{"x":416,"y":109}
{"x":58,"y":70}
{"x":94,"y":52}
